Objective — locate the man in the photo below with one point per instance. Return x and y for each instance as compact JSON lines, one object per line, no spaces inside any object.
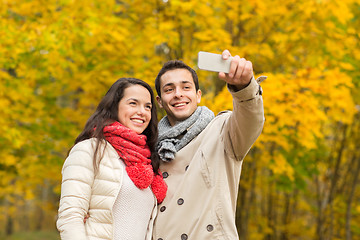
{"x":201,"y":154}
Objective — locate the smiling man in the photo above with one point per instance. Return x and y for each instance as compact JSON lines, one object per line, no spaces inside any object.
{"x":202,"y":154}
{"x":179,"y":96}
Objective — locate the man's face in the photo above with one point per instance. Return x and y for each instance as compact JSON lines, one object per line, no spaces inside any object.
{"x":179,"y":97}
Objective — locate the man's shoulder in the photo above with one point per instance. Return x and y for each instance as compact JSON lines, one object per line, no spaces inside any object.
{"x":218,"y":122}
{"x":223,"y":112}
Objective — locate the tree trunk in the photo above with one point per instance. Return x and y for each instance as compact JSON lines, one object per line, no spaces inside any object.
{"x":270,"y":213}
{"x":286,"y":217}
{"x":319,"y":220}
{"x":9,"y":226}
{"x":350,"y":199}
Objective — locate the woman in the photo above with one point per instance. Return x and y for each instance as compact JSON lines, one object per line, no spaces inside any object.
{"x":112,"y":172}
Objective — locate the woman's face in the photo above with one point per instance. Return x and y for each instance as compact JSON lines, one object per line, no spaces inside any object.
{"x":134,"y":109}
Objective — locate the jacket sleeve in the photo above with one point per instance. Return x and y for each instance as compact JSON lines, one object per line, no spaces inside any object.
{"x":246,"y":121}
{"x":77,"y":180}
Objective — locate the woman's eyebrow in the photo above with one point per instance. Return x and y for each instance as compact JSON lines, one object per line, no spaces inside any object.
{"x":137,"y":100}
{"x":132,"y":99}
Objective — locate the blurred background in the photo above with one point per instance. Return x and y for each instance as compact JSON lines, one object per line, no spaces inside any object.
{"x":59,"y":57}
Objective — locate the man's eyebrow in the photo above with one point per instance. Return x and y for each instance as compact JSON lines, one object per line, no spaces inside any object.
{"x":168,"y":84}
{"x":172,"y":84}
{"x":185,"y":81}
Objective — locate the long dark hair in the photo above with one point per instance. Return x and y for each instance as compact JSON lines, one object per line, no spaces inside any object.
{"x":107,"y":112}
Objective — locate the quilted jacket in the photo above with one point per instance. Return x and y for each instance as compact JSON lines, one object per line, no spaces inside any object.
{"x":84,"y":192}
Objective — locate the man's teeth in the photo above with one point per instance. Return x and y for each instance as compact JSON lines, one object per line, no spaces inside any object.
{"x":138,"y":120}
{"x":179,"y":104}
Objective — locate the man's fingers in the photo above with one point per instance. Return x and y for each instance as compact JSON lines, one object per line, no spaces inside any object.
{"x":222,"y":75}
{"x":240,"y":72}
{"x":240,"y":69}
{"x":248,"y":70}
{"x":233,"y":66}
{"x":226,"y":54}
{"x":86,"y":217}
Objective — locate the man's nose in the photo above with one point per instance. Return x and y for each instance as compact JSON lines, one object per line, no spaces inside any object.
{"x":178,"y":92}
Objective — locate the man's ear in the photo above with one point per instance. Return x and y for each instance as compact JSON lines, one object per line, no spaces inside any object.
{"x":158,"y":99}
{"x":198,"y":94}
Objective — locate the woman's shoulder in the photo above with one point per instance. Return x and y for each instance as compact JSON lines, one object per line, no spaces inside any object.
{"x":85,"y":145}
{"x":81,"y":154}
{"x":86,"y":149}
{"x":89,"y":146}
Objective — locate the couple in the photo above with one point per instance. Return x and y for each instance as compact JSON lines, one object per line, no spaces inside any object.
{"x":127,"y":178}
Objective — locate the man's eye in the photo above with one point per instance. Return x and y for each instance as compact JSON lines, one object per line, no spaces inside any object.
{"x":168,"y":90}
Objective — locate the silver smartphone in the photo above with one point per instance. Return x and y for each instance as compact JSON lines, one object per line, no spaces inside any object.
{"x":213,"y":62}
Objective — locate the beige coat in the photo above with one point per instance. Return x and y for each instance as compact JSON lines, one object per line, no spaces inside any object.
{"x":203,"y":179}
{"x":82,"y":192}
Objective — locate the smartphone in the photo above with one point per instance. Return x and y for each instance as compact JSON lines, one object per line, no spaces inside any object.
{"x":213,"y":62}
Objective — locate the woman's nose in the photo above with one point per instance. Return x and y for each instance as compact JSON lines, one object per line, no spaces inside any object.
{"x":140,"y":110}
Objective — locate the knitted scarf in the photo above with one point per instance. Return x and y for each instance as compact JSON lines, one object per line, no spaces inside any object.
{"x":173,"y":138}
{"x":135,"y":153}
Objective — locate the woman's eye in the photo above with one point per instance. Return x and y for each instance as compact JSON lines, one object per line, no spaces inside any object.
{"x":148,"y":107}
{"x":132,"y":103}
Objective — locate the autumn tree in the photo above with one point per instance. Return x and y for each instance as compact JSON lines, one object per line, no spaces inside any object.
{"x":301,"y":178}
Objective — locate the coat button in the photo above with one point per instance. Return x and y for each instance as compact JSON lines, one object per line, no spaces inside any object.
{"x":165,"y":174}
{"x":184,"y":236}
{"x":180,"y":201}
{"x":186,"y":167}
{"x":209,"y":228}
{"x":163,"y":208}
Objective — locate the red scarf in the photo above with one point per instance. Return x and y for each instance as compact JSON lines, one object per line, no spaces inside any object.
{"x":134,"y":151}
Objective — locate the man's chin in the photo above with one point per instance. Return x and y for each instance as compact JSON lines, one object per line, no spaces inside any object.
{"x":181,"y":117}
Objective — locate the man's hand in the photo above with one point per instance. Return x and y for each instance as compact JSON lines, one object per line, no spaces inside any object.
{"x":86,"y":217}
{"x":240,"y":74}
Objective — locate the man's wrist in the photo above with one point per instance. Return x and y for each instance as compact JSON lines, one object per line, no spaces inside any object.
{"x":237,"y":88}
{"x":247,"y":93}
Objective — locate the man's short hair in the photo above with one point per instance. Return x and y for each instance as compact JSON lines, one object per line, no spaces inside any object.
{"x":172,"y":65}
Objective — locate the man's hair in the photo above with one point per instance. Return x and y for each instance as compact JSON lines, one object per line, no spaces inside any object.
{"x":172,"y":65}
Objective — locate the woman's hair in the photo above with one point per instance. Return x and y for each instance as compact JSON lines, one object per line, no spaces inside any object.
{"x":107,"y":112}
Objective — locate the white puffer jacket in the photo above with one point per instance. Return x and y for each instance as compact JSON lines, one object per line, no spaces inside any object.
{"x":84,"y":192}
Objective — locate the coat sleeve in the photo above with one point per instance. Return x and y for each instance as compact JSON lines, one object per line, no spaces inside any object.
{"x":246,"y":121}
{"x":77,"y":180}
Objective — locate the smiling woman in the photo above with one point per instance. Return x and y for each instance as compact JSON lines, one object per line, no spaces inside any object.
{"x":112,"y":168}
{"x":134,"y":109}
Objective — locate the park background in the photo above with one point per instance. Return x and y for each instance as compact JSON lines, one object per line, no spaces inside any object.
{"x":59,"y":57}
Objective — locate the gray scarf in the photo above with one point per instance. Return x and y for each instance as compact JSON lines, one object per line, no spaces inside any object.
{"x":172,"y":139}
